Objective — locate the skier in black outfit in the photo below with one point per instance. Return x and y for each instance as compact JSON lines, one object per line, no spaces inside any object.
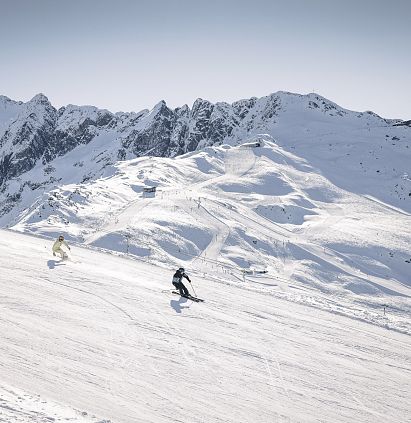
{"x":177,"y":282}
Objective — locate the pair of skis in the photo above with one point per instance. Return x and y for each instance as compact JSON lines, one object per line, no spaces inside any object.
{"x":190,"y":297}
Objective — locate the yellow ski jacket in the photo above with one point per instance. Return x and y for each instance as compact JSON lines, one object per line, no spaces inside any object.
{"x":57,"y":245}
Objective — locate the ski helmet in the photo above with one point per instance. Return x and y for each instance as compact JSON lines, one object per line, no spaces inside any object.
{"x":61,"y":238}
{"x":181,"y":269}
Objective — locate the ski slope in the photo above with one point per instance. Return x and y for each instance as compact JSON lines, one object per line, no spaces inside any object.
{"x":95,"y":339}
{"x":232,"y":212}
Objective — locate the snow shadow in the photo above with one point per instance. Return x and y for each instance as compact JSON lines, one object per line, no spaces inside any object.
{"x":177,"y":305}
{"x":137,"y":188}
{"x":53,"y":263}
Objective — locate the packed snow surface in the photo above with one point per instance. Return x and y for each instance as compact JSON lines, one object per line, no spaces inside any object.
{"x":96,"y":339}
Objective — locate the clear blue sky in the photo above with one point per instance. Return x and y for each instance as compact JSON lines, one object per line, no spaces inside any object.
{"x":130,"y":54}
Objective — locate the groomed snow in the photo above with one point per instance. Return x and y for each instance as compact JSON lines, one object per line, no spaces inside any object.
{"x":96,"y":339}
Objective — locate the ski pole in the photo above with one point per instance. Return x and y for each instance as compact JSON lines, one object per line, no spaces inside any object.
{"x":193,"y":288}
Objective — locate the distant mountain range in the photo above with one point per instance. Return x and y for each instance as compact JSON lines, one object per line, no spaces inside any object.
{"x":35,"y":136}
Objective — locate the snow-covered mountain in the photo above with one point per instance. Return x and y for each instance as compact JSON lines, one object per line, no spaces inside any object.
{"x":34,"y":134}
{"x":292,"y":185}
{"x":97,"y":340}
{"x":293,"y":218}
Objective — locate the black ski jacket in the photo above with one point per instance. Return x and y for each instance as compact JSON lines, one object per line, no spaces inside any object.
{"x":180,"y":275}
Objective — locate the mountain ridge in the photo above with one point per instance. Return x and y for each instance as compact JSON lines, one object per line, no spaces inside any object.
{"x":34,"y":136}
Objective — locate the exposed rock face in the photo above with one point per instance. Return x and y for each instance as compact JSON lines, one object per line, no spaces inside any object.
{"x":26,"y":136}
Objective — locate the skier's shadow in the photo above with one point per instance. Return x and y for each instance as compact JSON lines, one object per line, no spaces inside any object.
{"x":53,"y":263}
{"x":177,"y":304}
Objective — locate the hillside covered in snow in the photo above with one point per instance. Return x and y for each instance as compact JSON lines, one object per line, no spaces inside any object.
{"x":286,"y":188}
{"x":291,"y":215}
{"x":101,"y":339}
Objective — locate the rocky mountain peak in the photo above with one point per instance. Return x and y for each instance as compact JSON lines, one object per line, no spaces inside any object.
{"x":40,"y":99}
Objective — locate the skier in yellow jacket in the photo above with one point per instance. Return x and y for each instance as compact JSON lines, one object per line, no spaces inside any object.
{"x":57,"y":247}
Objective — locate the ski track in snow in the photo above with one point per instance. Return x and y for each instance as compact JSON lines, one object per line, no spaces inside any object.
{"x":17,"y":406}
{"x":97,"y":334}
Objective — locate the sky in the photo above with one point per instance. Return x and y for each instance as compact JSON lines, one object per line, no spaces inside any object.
{"x":127,"y":55}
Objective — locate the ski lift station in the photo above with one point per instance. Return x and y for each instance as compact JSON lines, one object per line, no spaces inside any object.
{"x":257,"y":141}
{"x":149,"y":189}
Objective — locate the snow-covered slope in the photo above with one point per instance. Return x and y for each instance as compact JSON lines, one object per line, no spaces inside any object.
{"x":234,"y":211}
{"x":298,"y":239}
{"x":95,"y":339}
